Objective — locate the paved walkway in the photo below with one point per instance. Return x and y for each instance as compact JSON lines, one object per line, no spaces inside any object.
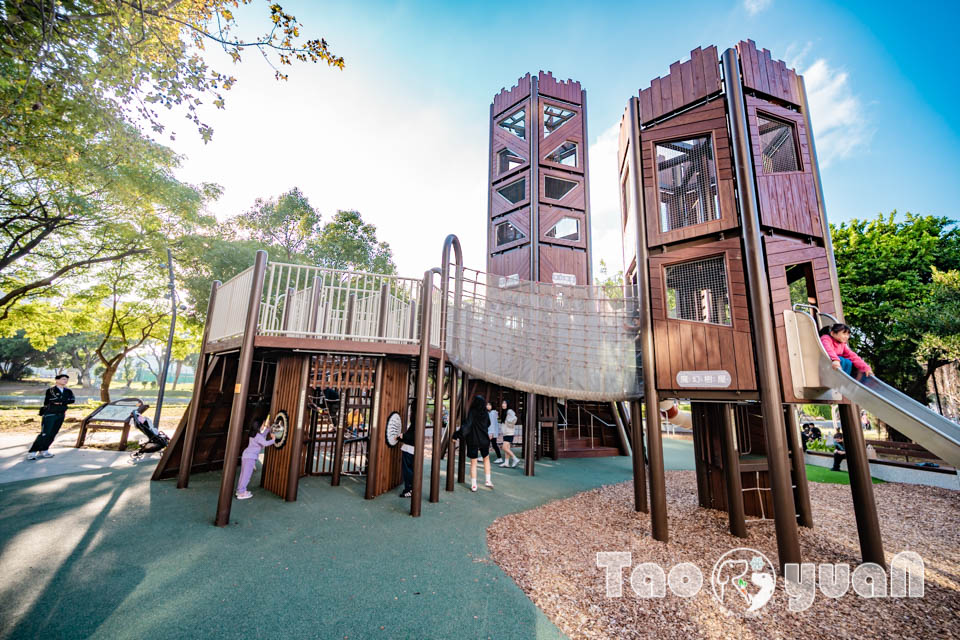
{"x":15,"y":467}
{"x":107,"y":553}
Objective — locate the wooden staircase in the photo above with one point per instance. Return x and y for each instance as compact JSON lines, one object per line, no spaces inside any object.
{"x":586,"y":430}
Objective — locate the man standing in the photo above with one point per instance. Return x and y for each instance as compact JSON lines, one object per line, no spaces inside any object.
{"x":54,"y":407}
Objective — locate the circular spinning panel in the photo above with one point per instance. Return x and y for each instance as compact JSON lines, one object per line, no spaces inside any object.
{"x":394,"y":429}
{"x":279,"y":428}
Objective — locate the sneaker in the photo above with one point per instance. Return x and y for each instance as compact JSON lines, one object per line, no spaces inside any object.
{"x":244,"y":496}
{"x":32,"y":455}
{"x":46,"y":454}
{"x":406,"y":494}
{"x":516,"y":461}
{"x":504,"y":464}
{"x":489,"y":485}
{"x":498,"y":461}
{"x":473,"y":487}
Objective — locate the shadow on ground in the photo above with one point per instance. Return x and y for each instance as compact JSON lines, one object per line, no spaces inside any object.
{"x":110,"y":554}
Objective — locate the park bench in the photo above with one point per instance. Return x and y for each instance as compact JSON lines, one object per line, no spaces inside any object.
{"x":110,"y":415}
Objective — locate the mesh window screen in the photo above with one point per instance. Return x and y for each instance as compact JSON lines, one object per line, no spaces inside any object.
{"x":698,"y":291}
{"x":687,"y":179}
{"x":777,"y":145}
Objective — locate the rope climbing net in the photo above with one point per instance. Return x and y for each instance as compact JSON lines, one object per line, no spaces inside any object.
{"x":576,"y":342}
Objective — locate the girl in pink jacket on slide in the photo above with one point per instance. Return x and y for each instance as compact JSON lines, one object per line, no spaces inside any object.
{"x":834,"y":340}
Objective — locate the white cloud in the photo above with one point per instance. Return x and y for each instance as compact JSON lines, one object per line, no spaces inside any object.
{"x":605,"y":201}
{"x":754,"y":7}
{"x":840,"y":122}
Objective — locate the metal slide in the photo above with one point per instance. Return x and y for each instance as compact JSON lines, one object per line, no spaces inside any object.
{"x":927,"y":428}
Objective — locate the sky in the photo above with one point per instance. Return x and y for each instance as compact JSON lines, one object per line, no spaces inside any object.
{"x":401,"y":133}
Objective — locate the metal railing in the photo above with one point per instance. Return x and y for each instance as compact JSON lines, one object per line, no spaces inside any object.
{"x":313,"y":302}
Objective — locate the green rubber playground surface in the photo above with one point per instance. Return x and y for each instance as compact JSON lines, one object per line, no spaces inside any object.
{"x":110,"y":554}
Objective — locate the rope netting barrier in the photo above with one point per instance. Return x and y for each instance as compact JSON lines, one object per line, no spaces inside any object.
{"x":576,"y":342}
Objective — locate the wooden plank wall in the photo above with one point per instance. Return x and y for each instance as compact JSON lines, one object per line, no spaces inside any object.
{"x":511,"y":262}
{"x":761,"y":73}
{"x":782,"y":252}
{"x":550,"y":216}
{"x":686,"y":83}
{"x":507,"y":98}
{"x":682,"y":345}
{"x":708,"y":119}
{"x":567,"y":90}
{"x":384,"y":473}
{"x":286,"y":397}
{"x":788,"y":200}
{"x":555,"y":259}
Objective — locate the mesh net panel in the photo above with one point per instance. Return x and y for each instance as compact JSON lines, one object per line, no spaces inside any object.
{"x":562,"y":341}
{"x":698,"y":291}
{"x":777,"y":145}
{"x":687,"y":181}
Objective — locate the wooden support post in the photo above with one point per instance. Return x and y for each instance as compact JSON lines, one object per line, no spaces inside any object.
{"x":423,"y":375}
{"x":464,"y":403}
{"x":295,"y":435}
{"x":285,"y":320}
{"x":639,"y":465}
{"x":758,"y":291}
{"x":437,"y":428}
{"x":348,"y":321}
{"x":658,"y":486}
{"x":529,"y":437}
{"x":338,"y":441}
{"x":313,"y":319}
{"x":376,"y":434}
{"x":240,"y":391}
{"x":801,"y":492}
{"x":861,"y":486}
{"x":731,"y":472}
{"x":382,"y":311}
{"x":454,"y":421}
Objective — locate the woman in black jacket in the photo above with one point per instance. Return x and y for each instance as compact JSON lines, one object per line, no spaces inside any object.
{"x":474,"y":434}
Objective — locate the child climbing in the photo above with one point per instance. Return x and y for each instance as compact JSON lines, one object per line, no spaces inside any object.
{"x":509,"y":429}
{"x":494,"y":432}
{"x":834,"y":340}
{"x":260,"y":438}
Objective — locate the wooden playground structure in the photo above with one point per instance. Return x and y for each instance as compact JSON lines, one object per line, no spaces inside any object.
{"x":729,"y":272}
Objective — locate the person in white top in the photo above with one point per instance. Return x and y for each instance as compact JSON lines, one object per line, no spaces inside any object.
{"x":494,"y":432}
{"x":509,"y":428}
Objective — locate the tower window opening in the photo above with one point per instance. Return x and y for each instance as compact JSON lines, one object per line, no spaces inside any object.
{"x":507,"y":233}
{"x":555,"y":117}
{"x":565,"y":154}
{"x":566,"y":228}
{"x":697,"y":291}
{"x":687,"y":181}
{"x":515,"y":123}
{"x":556,"y":188}
{"x":515,"y":191}
{"x":778,"y":145}
{"x":508,"y":160}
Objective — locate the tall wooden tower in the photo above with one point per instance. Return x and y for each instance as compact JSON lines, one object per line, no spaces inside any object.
{"x":724,"y":230}
{"x":538,"y":205}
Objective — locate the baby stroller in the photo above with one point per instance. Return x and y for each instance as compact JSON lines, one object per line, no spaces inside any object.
{"x":156,"y":439}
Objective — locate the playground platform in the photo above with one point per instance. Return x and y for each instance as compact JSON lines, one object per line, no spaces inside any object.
{"x":109,"y":554}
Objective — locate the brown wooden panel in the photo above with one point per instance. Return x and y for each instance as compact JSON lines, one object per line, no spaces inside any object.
{"x":507,"y":98}
{"x":515,"y":261}
{"x":575,"y":199}
{"x":567,"y":90}
{"x":687,"y":83}
{"x":661,"y":347}
{"x":569,"y":260}
{"x":287,"y":391}
{"x":550,"y":216}
{"x":499,"y":204}
{"x":384,"y":472}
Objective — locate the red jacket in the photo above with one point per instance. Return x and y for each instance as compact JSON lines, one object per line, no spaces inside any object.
{"x":837,"y":350}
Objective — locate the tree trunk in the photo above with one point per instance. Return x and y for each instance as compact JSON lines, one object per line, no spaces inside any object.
{"x":176,"y":374}
{"x":108,"y":374}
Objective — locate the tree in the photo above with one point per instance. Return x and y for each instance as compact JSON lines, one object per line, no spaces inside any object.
{"x":129,"y":57}
{"x":201,"y":259}
{"x":126,"y":310}
{"x":346,"y":242}
{"x":286,"y":227}
{"x":74,"y":351}
{"x":16,"y":357}
{"x":613,"y":286}
{"x":886,"y":272}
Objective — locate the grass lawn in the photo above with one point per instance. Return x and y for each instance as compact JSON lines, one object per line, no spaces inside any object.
{"x":822,"y":474}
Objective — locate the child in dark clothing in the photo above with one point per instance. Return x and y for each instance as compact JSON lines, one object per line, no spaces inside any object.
{"x":839,"y":452}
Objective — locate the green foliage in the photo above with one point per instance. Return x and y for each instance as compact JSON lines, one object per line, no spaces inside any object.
{"x":822,"y":411}
{"x":287,"y":227}
{"x":613,"y":286}
{"x":16,"y":357}
{"x":822,"y":474}
{"x":937,"y":321}
{"x":74,"y":351}
{"x":346,"y":242}
{"x":820,"y":445}
{"x":886,"y":271}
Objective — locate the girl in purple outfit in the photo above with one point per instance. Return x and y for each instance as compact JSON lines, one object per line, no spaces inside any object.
{"x":260,"y":438}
